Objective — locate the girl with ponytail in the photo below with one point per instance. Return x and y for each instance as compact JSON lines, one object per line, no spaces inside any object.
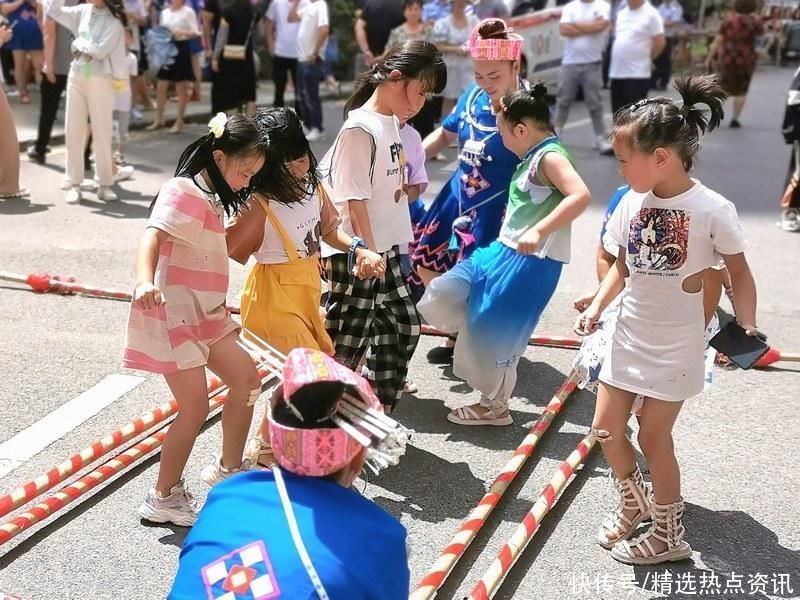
{"x":495,"y":297}
{"x":670,"y":230}
{"x":364,"y":173}
{"x":178,"y":322}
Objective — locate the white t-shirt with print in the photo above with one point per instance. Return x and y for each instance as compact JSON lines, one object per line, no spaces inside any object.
{"x":301,"y":221}
{"x":659,"y":339}
{"x":367,"y":163}
{"x":633,"y":42}
{"x":585,"y":49}
{"x":123,"y":97}
{"x":313,"y":15}
{"x":285,"y":32}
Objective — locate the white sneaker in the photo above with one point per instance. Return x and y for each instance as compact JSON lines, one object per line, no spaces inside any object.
{"x":603,"y":146}
{"x":214,"y":473}
{"x":790,"y":220}
{"x":89,"y":185}
{"x":123,"y":172}
{"x":106,"y":195}
{"x":315,"y":135}
{"x":180,"y":507}
{"x":74,"y":195}
{"x":410,"y":387}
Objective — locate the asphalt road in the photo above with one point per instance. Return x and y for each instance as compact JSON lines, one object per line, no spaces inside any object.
{"x":737,"y":444}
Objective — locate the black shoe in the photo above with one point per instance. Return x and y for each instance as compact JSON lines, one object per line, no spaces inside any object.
{"x":35,"y":155}
{"x":735,"y":124}
{"x":441,"y":355}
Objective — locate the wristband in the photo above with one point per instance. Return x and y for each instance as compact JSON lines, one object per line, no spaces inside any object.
{"x":356,"y":243}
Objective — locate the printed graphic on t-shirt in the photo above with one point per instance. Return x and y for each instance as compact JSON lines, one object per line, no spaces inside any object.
{"x":658,"y":239}
{"x":398,"y":157}
{"x":311,"y":241}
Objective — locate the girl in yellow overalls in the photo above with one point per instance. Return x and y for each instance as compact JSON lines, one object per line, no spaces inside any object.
{"x":285,"y":219}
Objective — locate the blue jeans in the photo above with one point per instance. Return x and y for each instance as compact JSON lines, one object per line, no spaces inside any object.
{"x":309,"y":76}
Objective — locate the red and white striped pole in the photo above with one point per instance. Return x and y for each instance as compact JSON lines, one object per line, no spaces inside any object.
{"x":64,"y":496}
{"x":508,"y":555}
{"x":46,"y":481}
{"x":469,"y":528}
{"x":549,"y":341}
{"x":43,"y":283}
{"x":62,"y":472}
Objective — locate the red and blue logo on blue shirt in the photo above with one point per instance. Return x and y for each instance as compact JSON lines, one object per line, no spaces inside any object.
{"x":244,"y":574}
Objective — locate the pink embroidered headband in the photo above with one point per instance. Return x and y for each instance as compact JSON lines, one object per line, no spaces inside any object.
{"x":494,"y":48}
{"x":360,"y":422}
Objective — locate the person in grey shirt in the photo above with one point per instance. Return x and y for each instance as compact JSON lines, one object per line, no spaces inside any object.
{"x":57,"y":59}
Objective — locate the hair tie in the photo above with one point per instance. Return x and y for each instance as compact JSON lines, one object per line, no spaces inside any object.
{"x":216,"y":126}
{"x":637,"y":105}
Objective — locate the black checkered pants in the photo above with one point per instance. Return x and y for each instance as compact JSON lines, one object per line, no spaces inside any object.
{"x":376,"y":316}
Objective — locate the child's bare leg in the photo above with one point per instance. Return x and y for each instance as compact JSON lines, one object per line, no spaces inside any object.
{"x":236,"y":368}
{"x":611,"y":414}
{"x":191,"y":393}
{"x":655,"y":440}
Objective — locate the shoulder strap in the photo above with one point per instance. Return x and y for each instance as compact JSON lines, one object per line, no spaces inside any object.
{"x":296,"y":538}
{"x":288,"y":244}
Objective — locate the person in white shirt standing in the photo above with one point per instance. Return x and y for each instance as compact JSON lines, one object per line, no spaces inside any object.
{"x":671,"y":12}
{"x":281,"y":36}
{"x":585,"y":25}
{"x":639,"y":38}
{"x":312,"y":35}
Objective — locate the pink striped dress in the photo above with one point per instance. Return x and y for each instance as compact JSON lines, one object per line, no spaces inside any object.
{"x":192,"y":274}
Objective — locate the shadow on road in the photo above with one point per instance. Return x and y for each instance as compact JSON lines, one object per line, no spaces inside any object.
{"x":742,"y":555}
{"x":21,"y":206}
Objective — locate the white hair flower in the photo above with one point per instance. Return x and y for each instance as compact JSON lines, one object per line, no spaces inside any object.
{"x":217,"y":124}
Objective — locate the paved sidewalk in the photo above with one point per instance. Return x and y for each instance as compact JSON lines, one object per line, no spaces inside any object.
{"x":26,"y":116}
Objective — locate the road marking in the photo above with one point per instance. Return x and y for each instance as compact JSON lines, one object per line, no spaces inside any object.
{"x":37,"y":437}
{"x":450,"y":167}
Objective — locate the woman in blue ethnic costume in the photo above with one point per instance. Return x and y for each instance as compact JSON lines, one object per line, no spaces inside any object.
{"x":468,"y":211}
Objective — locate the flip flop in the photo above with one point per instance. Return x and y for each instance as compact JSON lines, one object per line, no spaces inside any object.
{"x":23,"y":193}
{"x":466,"y":415}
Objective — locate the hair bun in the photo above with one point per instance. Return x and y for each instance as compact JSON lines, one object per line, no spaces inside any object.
{"x":538,"y":91}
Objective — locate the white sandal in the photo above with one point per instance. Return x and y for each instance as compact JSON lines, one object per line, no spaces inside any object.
{"x":259,"y":452}
{"x":667,"y":528}
{"x":466,"y":415}
{"x":633,"y":496}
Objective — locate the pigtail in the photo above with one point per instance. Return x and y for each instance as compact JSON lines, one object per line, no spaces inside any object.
{"x":701,"y":90}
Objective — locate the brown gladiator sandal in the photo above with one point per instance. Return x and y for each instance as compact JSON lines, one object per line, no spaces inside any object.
{"x":633,"y":496}
{"x":667,"y":528}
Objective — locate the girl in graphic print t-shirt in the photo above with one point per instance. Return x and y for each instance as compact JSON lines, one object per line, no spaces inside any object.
{"x":670,"y":229}
{"x":364,"y":173}
{"x":178,"y":323}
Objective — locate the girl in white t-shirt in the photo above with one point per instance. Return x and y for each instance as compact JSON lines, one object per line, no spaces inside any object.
{"x":670,"y":229}
{"x":282,"y":227}
{"x":365,"y":175}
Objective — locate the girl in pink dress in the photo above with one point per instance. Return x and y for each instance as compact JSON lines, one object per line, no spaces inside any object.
{"x":178,"y":323}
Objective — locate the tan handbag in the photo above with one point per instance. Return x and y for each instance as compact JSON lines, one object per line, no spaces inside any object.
{"x":238,"y":51}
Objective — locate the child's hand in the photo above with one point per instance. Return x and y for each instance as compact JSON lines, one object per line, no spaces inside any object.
{"x":369,"y":264}
{"x":529,"y":242}
{"x":147,"y":296}
{"x":587,"y":323}
{"x":583,"y":302}
{"x":750,"y":330}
